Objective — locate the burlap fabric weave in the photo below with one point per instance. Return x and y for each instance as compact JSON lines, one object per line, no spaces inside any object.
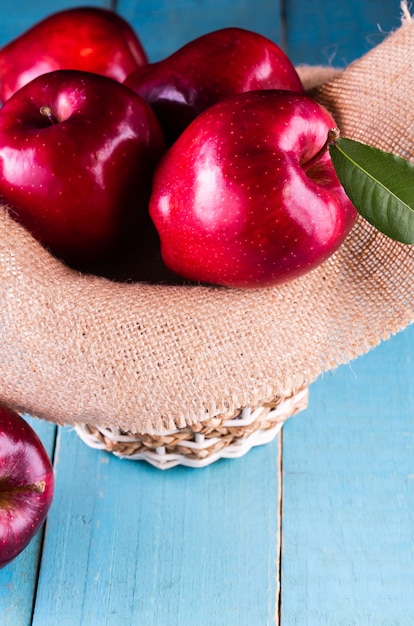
{"x":76,"y":348}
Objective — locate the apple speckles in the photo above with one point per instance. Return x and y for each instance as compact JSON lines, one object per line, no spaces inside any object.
{"x":55,"y":178}
{"x":210,"y":69}
{"x":259,"y":227}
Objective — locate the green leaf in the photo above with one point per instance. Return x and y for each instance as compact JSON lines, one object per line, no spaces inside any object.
{"x":379,"y":184}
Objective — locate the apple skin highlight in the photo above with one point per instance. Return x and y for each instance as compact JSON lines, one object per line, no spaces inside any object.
{"x":77,"y":153}
{"x":247,"y":197}
{"x":104,"y":43}
{"x":208,"y":69}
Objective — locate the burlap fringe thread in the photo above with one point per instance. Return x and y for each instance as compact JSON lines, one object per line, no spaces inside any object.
{"x":199,"y":445}
{"x":154,"y":358}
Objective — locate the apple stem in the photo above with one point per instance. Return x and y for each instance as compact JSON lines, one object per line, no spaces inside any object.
{"x":333,"y":136}
{"x":47,"y":112}
{"x":38,"y":487}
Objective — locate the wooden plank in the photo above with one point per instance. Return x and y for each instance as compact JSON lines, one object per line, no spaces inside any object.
{"x":164,"y":26}
{"x":130,"y":544}
{"x":348,"y":496}
{"x":336,"y":33}
{"x":15,"y":21}
{"x":18,"y":580}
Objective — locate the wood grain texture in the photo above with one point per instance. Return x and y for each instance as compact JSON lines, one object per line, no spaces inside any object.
{"x":164,"y":26}
{"x":348,"y":496}
{"x":129,"y":544}
{"x":321,"y":32}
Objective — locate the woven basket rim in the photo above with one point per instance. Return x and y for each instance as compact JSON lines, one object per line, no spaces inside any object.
{"x":202,"y":444}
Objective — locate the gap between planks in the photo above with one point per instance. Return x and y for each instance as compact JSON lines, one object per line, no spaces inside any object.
{"x":277,"y":619}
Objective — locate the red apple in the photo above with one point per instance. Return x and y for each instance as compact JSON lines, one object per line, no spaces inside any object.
{"x":206,"y":70}
{"x":86,"y":38}
{"x":247,"y":196}
{"x":77,"y":153}
{"x":26,"y":484}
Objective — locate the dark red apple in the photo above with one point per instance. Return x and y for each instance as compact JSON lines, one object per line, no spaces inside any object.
{"x":77,"y":153}
{"x":247,"y":196}
{"x":26,"y":484}
{"x":85,"y":38}
{"x":206,"y":70}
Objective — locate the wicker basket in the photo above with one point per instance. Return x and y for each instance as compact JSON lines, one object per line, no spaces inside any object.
{"x":224,"y":436}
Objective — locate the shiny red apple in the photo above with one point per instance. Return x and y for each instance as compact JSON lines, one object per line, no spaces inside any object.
{"x":247,"y":196}
{"x":85,"y":38}
{"x":77,"y":153}
{"x":206,"y":70}
{"x":26,"y":484}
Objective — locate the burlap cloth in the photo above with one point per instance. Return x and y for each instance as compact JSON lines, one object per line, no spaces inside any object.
{"x":77,"y":348}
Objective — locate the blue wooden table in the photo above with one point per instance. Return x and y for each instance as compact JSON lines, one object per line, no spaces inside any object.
{"x":313,"y":529}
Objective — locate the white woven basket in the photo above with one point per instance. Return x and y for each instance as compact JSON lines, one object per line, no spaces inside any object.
{"x":204,"y":443}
